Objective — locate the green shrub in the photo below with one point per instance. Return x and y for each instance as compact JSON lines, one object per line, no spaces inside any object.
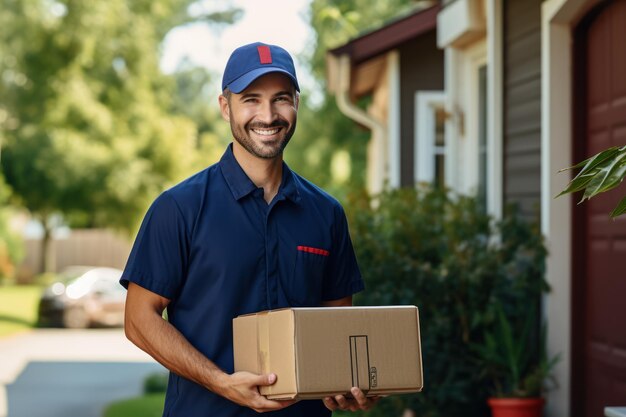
{"x":441,"y":252}
{"x":146,"y":406}
{"x":155,"y":383}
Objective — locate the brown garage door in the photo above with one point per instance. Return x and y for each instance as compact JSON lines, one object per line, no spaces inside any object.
{"x":599,"y":360}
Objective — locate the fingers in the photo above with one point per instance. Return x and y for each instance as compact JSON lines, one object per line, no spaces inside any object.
{"x":359,"y":397}
{"x":331,"y":404}
{"x":359,"y":402}
{"x":243,"y":389}
{"x":264,"y":380}
{"x":340,"y":402}
{"x":344,"y":403}
{"x":253,"y":399}
{"x":262,"y":405}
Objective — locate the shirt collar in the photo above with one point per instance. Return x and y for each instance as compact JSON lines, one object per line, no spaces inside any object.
{"x":289,"y":185}
{"x":241,"y":185}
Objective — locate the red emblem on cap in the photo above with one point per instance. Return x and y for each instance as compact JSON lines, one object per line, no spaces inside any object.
{"x":265,"y":55}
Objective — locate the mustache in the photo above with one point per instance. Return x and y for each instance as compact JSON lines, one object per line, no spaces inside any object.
{"x":275,"y":123}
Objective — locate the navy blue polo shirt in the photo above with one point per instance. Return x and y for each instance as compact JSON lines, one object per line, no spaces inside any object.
{"x":216,"y":249}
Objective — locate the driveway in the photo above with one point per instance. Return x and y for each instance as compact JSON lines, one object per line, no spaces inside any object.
{"x":60,"y":373}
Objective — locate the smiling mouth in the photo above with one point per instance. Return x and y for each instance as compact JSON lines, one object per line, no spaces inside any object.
{"x":266,"y":132}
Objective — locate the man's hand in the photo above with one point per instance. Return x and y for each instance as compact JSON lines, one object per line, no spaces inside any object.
{"x":359,"y":402}
{"x":242,"y":388}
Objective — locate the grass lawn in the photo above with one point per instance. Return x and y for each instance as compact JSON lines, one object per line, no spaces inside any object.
{"x":152,"y":406}
{"x":146,"y":406}
{"x":18,"y":308}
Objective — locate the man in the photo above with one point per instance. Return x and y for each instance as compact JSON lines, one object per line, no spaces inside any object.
{"x":245,"y":235}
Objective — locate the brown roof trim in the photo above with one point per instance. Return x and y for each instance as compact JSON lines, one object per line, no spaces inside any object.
{"x":390,"y":36}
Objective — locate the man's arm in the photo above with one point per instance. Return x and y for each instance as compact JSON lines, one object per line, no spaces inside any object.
{"x":340,"y":402}
{"x":146,"y":328}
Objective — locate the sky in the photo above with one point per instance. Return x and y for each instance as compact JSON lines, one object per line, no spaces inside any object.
{"x":281,"y":22}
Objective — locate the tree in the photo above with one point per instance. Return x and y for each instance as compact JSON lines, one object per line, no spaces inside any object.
{"x":85,"y":109}
{"x":327,"y":142}
{"x":194,"y":98}
{"x":324,"y":139}
{"x":337,"y":21}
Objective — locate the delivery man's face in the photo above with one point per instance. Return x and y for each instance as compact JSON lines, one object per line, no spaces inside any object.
{"x":263,"y":116}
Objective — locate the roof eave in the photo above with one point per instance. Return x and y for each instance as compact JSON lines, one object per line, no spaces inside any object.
{"x":389,"y":37}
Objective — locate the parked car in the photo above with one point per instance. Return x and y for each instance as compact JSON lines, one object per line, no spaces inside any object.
{"x":84,"y":297}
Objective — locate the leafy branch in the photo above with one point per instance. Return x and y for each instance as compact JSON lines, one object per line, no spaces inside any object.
{"x":602,"y":172}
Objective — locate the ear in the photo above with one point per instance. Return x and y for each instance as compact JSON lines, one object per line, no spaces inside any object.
{"x":224,"y":107}
{"x":297,"y":102}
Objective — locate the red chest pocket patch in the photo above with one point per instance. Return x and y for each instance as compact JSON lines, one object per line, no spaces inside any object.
{"x":316,"y":251}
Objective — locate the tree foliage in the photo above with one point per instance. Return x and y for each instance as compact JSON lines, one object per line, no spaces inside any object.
{"x":329,"y":148}
{"x":194,"y":99}
{"x":337,"y":21}
{"x":86,"y":130}
{"x":88,"y":125}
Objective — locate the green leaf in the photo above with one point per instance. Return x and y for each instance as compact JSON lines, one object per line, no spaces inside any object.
{"x":577,"y":184}
{"x":594,"y":161}
{"x":600,"y":173}
{"x":508,"y":344}
{"x":610,"y":176}
{"x":616,"y":177}
{"x":591,"y":168}
{"x":620,"y":209}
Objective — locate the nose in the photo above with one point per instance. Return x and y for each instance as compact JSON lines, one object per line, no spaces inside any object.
{"x":267,"y":113}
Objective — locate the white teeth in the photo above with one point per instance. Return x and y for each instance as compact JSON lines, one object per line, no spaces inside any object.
{"x":265,"y":132}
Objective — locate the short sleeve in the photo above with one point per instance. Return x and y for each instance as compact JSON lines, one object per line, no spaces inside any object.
{"x":343,"y":277}
{"x":158,"y":259}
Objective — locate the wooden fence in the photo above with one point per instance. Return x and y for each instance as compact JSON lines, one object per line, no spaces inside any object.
{"x":96,"y":247}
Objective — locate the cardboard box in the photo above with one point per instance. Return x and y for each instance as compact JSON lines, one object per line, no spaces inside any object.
{"x":317,"y":352}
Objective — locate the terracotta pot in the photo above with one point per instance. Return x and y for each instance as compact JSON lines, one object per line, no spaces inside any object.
{"x":516,"y":407}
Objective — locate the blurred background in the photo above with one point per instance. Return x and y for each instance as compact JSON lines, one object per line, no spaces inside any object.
{"x":440,"y":125}
{"x":106,"y":105}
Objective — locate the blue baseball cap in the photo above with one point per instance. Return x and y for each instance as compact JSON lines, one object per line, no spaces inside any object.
{"x":249,"y":62}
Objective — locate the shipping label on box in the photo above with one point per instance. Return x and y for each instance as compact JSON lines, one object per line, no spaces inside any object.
{"x":317,"y":352}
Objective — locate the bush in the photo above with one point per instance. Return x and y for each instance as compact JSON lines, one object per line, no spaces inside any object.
{"x":155,"y":383}
{"x":146,"y":406}
{"x":441,"y":252}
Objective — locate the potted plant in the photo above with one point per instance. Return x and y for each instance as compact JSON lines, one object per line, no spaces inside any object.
{"x":514,"y":358}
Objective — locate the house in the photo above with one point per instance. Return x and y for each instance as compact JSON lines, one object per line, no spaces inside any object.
{"x":383,"y":64}
{"x":530,"y":87}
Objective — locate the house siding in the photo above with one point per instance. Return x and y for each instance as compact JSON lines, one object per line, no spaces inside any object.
{"x":522,"y":105}
{"x":421,"y":68}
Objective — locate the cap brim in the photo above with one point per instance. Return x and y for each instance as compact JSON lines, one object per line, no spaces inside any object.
{"x":245,"y":80}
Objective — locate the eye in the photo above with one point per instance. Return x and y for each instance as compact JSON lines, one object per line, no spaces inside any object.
{"x":282,"y":99}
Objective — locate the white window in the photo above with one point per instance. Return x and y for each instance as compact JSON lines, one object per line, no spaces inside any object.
{"x":430,"y":146}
